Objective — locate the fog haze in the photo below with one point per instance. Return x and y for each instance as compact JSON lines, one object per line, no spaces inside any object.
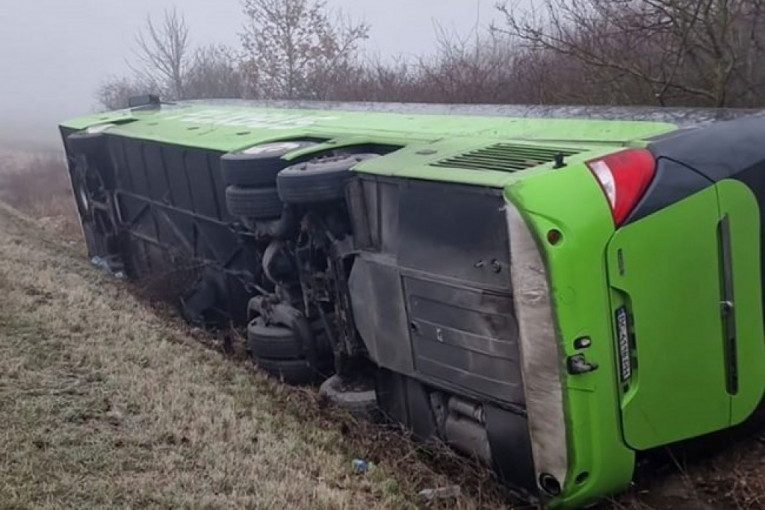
{"x":55,"y":53}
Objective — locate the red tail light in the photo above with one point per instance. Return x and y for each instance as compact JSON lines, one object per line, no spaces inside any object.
{"x":624,"y":177}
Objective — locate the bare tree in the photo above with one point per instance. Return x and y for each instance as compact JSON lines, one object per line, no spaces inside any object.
{"x":166,"y":64}
{"x":294,"y":48}
{"x":474,"y":68}
{"x":163,"y":54}
{"x":667,"y":51}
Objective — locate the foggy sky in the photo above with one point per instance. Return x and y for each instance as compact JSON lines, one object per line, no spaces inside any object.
{"x":55,"y":53}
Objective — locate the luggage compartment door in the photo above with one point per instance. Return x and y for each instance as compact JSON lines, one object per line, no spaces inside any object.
{"x":666,"y":288}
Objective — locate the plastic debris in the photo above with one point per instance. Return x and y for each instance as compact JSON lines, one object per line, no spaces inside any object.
{"x":109,"y":267}
{"x":450,"y":492}
{"x":100,"y":263}
{"x":360,"y":466}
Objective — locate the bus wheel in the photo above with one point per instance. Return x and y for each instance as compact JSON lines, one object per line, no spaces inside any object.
{"x":293,"y":371}
{"x":358,"y":398}
{"x":273,"y":342}
{"x":320,"y":180}
{"x":258,"y":166}
{"x":256,"y":203}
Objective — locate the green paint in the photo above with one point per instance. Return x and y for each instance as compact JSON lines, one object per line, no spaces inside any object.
{"x":424,"y":139}
{"x":671,"y":285}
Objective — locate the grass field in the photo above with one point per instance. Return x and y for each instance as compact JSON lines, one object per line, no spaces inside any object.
{"x":109,"y":401}
{"x":36,"y":182}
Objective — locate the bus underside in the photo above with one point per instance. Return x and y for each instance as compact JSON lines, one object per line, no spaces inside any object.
{"x":403,"y":284}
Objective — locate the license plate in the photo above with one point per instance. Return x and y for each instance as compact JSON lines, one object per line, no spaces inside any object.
{"x":623,"y":335}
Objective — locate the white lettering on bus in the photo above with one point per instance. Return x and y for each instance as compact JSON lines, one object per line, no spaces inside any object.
{"x":271,"y":120}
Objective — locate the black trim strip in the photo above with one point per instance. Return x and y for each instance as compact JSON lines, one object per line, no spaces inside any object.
{"x":727,"y":309}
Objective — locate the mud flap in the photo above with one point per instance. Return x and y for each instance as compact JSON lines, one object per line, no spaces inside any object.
{"x":405,"y":401}
{"x":511,"y":448}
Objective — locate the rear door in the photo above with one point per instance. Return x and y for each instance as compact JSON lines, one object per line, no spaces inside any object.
{"x":666,"y":285}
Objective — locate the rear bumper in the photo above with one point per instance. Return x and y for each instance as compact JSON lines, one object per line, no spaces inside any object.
{"x":561,"y":295}
{"x":540,"y":356}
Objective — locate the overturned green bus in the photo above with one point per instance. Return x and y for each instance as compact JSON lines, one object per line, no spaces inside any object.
{"x":552,"y":296}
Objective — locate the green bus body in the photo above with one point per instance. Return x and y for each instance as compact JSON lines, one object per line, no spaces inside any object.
{"x":660,"y":273}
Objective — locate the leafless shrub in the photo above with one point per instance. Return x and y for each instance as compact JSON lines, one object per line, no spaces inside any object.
{"x":214,"y":73}
{"x":165,"y":63}
{"x":616,"y":52}
{"x":470,"y":69}
{"x":114,"y":93}
{"x":295,"y":48}
{"x":688,"y":52}
{"x":371,"y":79}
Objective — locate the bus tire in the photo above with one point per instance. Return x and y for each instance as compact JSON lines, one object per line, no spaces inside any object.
{"x":295,"y":372}
{"x":320,"y":180}
{"x":273,"y":342}
{"x":361,"y":403}
{"x":256,"y":203}
{"x":259,"y":165}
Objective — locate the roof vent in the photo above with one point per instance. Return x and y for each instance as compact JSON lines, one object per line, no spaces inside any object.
{"x":506,"y":157}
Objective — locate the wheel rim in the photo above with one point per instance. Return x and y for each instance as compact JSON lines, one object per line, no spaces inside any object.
{"x":280,"y":147}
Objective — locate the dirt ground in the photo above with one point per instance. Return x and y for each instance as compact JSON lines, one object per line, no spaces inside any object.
{"x":110,"y":401}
